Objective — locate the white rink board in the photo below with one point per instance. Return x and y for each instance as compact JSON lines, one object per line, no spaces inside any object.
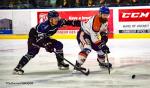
{"x":24,"y":19}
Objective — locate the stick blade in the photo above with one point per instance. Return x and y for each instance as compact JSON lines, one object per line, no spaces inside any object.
{"x":87,"y":72}
{"x":79,"y":71}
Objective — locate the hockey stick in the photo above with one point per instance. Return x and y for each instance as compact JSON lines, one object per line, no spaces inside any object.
{"x":78,"y":68}
{"x":107,"y":62}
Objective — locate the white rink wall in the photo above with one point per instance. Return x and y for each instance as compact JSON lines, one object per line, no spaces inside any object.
{"x":125,"y":21}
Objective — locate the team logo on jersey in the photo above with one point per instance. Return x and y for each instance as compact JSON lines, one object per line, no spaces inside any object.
{"x":134,"y":15}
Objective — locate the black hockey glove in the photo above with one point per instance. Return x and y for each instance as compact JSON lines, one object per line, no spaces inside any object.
{"x":104,"y":37}
{"x":105,"y":49}
{"x":40,"y":37}
{"x":49,"y":47}
{"x":104,"y":40}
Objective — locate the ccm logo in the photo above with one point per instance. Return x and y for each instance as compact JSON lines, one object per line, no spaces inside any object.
{"x":134,"y":15}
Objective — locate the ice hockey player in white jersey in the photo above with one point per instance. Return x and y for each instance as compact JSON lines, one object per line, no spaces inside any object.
{"x":88,"y":38}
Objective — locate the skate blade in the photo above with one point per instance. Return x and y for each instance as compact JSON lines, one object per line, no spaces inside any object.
{"x":86,"y":72}
{"x":76,"y":72}
{"x":63,"y":68}
{"x":17,"y":73}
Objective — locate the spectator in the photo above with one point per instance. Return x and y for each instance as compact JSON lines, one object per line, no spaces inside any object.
{"x":77,"y":3}
{"x":7,"y":4}
{"x":112,"y":2}
{"x":148,"y":2}
{"x":53,"y":3}
{"x":62,"y":3}
{"x":144,"y":2}
{"x":33,"y":3}
{"x":134,"y":2}
{"x":20,"y":4}
{"x":83,"y":3}
{"x":123,"y":2}
{"x":90,"y":3}
{"x":4,"y":4}
{"x":72,"y":3}
{"x":100,"y":2}
{"x":47,"y":3}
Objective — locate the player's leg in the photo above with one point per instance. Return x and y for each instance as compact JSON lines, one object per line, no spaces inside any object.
{"x":101,"y":60}
{"x":33,"y":49}
{"x":85,"y":46}
{"x":58,"y":46}
{"x":101,"y":56}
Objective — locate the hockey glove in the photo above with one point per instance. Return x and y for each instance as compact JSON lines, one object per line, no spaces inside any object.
{"x":105,"y":49}
{"x":49,"y":47}
{"x":104,"y":37}
{"x":41,"y":38}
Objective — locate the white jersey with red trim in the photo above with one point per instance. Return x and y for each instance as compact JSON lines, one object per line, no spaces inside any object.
{"x":93,"y":27}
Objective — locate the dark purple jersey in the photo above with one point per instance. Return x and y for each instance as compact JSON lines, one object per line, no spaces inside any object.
{"x":49,"y":30}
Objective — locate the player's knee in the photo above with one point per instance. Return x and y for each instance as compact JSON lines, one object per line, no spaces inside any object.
{"x":58,"y":45}
{"x":49,"y":47}
{"x":85,"y":52}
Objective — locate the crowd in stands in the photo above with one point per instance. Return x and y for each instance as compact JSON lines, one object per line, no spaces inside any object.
{"x":25,"y":4}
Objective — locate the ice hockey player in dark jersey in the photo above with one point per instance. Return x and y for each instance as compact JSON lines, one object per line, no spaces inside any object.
{"x":39,"y":37}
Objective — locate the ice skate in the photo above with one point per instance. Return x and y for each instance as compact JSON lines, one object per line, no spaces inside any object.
{"x":78,"y":67}
{"x":63,"y":66}
{"x":105,"y":65}
{"x":18,"y":71}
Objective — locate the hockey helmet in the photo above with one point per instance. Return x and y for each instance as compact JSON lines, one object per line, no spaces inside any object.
{"x":52,"y":14}
{"x":104,"y":10}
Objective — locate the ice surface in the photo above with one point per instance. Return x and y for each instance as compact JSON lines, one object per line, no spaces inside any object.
{"x":128,"y":56}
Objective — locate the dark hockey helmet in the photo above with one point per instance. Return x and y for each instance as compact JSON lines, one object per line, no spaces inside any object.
{"x":104,"y":10}
{"x":52,"y":14}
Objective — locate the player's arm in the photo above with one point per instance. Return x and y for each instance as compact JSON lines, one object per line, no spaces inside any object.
{"x":100,"y":42}
{"x":95,"y":32}
{"x":71,"y":22}
{"x":104,"y":39}
{"x":104,"y":33}
{"x":97,"y":28}
{"x":41,"y":34}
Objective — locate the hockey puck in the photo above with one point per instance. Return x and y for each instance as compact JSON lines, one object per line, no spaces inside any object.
{"x":133,"y":76}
